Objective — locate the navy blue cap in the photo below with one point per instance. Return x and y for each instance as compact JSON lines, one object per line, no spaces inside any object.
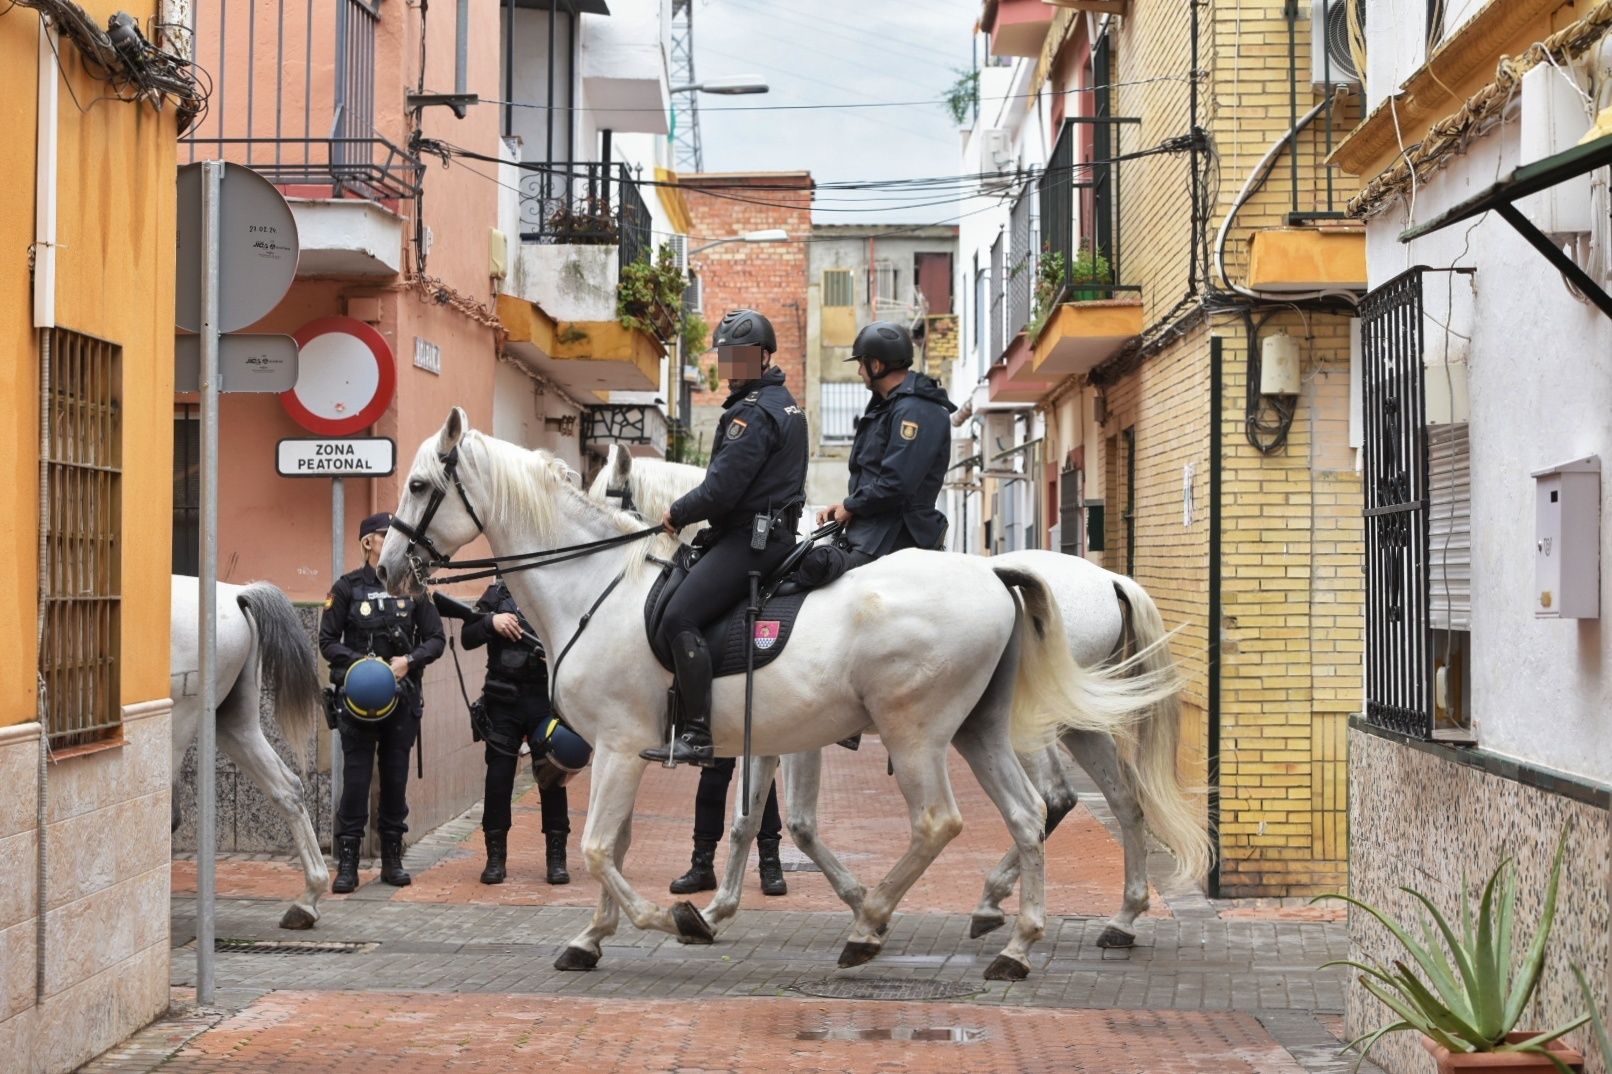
{"x":375,"y":524}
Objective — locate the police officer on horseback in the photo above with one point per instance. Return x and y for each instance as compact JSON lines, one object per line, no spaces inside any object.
{"x":364,"y":633}
{"x":514,"y":708}
{"x":752,"y":496}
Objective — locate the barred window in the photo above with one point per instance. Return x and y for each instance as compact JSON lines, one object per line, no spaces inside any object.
{"x":843,"y":403}
{"x":78,"y":659}
{"x":838,"y":289}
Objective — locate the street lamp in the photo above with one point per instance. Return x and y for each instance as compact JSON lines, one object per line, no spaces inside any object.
{"x":732,"y":86}
{"x":773,"y":234}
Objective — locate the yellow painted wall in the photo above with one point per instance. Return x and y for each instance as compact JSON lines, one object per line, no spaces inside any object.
{"x":115,"y":266}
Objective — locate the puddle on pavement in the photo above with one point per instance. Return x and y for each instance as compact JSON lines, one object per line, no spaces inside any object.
{"x":943,"y":1034}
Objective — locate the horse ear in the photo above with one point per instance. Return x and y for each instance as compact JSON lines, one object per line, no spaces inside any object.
{"x":453,"y":430}
{"x":620,"y":465}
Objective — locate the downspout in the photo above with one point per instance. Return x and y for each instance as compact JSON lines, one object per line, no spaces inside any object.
{"x":44,"y":272}
{"x":1216,"y":420}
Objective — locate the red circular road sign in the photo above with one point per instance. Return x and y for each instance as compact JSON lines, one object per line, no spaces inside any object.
{"x":345,"y":379}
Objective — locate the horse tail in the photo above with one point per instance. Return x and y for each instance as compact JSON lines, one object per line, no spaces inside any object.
{"x":1054,"y":694}
{"x":1167,"y":802}
{"x":287,"y":665}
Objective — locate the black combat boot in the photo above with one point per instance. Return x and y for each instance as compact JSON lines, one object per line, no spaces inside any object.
{"x":392,"y":861}
{"x":852,"y":742}
{"x":346,"y":866}
{"x":556,"y":857}
{"x":701,"y":875}
{"x":771,"y":869}
{"x":497,"y":855}
{"x":693,"y":671}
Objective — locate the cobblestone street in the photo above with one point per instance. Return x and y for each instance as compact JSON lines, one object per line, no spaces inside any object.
{"x":450,"y":975}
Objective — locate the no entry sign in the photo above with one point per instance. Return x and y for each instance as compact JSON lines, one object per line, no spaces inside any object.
{"x":367,"y":456}
{"x":345,"y":377}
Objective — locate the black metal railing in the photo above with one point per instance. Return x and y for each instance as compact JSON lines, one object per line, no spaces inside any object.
{"x":842,"y":403}
{"x":586,"y":204}
{"x":1314,"y":194}
{"x":1079,"y":199}
{"x":998,"y":286}
{"x":1399,"y":653}
{"x":293,"y":96}
{"x":1022,"y":263}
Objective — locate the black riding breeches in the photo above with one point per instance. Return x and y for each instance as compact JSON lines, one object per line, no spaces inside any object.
{"x":515,"y":723}
{"x":361,"y":749}
{"x":711,"y":803}
{"x":719,"y":581}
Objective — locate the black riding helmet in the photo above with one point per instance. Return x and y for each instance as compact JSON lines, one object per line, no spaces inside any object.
{"x":742,"y":328}
{"x":885,"y":342}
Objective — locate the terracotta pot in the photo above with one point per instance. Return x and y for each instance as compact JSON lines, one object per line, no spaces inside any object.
{"x":1511,"y":1062}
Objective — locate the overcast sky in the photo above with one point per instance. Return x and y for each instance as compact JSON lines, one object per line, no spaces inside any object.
{"x":831,"y":52}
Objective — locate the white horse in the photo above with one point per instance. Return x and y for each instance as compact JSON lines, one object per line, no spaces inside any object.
{"x":1105,"y":615}
{"x":927,"y":665}
{"x":261,"y":644}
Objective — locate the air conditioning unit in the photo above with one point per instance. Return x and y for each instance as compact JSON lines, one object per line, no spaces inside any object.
{"x":999,"y":437}
{"x":996,"y":150}
{"x":679,"y":245}
{"x":1331,"y":60}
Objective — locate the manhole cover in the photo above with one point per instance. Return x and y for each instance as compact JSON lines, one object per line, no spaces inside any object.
{"x":289,"y":947}
{"x":884,"y":988}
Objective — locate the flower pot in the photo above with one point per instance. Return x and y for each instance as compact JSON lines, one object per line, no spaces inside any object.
{"x":1086,"y":294}
{"x":1510,"y":1062}
{"x":663,"y":320}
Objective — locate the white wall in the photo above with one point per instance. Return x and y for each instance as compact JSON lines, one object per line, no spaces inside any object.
{"x":1541,"y":392}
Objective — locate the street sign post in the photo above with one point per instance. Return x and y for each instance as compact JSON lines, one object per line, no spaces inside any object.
{"x":369,"y":456}
{"x":246,"y":363}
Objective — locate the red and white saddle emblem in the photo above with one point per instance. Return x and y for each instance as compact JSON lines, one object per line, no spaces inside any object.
{"x":766,"y":635}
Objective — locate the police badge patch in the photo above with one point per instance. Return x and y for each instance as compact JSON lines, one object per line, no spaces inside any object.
{"x":909,"y":430}
{"x":766,"y":635}
{"x":736,"y":428}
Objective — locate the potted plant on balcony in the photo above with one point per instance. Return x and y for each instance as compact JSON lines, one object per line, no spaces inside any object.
{"x":1467,"y":1000}
{"x":649,"y":292}
{"x":1089,"y":267}
{"x":589,"y":222}
{"x":1049,"y":277}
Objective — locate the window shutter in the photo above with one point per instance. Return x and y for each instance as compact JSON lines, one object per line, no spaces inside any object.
{"x":1449,"y":478}
{"x":1069,"y":512}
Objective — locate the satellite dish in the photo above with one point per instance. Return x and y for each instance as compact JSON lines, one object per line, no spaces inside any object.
{"x":346,"y":377}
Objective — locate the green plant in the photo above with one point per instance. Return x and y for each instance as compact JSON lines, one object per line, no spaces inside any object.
{"x":1596,"y":1024}
{"x":685,"y":447}
{"x":1467,"y":996}
{"x":1089,"y":266}
{"x":587,"y":223}
{"x":1049,"y":277}
{"x":695,"y":333}
{"x":650,"y":288}
{"x":964,"y":96}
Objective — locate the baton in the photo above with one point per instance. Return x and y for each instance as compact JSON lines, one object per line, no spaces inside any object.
{"x":750,"y":615}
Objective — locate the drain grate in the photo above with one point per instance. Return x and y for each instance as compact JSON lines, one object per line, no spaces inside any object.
{"x":942,"y":1034}
{"x":290,"y":947}
{"x":884,"y":988}
{"x":800,"y":867}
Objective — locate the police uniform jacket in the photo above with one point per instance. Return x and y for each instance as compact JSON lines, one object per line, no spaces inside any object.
{"x":517,"y":662}
{"x":361,"y":617}
{"x":758,"y":460}
{"x":898,"y":462}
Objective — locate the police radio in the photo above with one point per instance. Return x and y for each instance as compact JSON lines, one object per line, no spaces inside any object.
{"x":760,"y":527}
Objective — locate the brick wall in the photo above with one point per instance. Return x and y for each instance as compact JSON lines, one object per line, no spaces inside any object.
{"x":940,"y":346}
{"x":770,"y":276}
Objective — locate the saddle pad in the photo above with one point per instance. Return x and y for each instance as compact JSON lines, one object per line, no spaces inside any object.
{"x":726,"y":637}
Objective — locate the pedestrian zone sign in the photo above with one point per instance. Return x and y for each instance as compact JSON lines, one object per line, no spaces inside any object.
{"x":359,"y":456}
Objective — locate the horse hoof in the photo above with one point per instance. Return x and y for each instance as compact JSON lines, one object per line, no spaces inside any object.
{"x":576,"y":958}
{"x":856,"y":953}
{"x":979,"y":925}
{"x":691,"y":926}
{"x":1116,"y":937}
{"x":298,"y":918}
{"x":1004,"y":968}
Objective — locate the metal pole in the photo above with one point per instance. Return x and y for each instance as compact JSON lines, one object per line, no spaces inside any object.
{"x":338,"y":522}
{"x":461,"y":54}
{"x":206,"y":749}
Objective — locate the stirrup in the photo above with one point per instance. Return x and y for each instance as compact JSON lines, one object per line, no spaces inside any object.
{"x":681,"y":752}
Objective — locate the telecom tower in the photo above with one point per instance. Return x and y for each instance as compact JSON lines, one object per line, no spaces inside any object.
{"x":687,"y":155}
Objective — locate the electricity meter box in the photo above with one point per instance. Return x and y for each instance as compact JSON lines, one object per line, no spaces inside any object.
{"x":1567,"y":540}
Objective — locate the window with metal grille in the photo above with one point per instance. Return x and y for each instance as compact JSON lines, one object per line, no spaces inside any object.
{"x":842,"y":403}
{"x":187,"y":490}
{"x":885,"y":281}
{"x":1069,"y":494}
{"x":78,"y":657}
{"x":838,"y":288}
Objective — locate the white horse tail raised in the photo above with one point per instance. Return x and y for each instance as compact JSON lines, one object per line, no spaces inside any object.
{"x":1054,"y":694}
{"x":287,"y":665}
{"x":1168,"y":804}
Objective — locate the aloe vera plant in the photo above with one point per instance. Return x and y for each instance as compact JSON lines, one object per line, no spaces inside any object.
{"x":1466,"y":996}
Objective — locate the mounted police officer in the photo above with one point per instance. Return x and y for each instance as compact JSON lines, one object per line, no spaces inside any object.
{"x":898,"y":460}
{"x":362,"y":626}
{"x":751,"y":497}
{"x":515,"y":707}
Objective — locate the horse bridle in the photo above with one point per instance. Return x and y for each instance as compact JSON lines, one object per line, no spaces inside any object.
{"x":416,"y":533}
{"x":624,"y":495}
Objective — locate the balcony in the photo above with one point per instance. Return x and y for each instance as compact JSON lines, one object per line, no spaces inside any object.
{"x":1017,"y":27}
{"x":639,"y":427}
{"x":1307,"y":259}
{"x":622,"y":62}
{"x":583,"y":357}
{"x":1014,"y":379}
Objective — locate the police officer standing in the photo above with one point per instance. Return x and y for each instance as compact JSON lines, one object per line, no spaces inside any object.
{"x":752,"y":496}
{"x":516,"y":703}
{"x":361,"y":619}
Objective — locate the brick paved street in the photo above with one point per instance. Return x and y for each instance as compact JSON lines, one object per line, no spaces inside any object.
{"x":450,"y":975}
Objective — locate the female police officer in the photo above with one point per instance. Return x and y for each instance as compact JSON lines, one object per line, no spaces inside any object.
{"x":752,"y":497}
{"x":361,"y":619}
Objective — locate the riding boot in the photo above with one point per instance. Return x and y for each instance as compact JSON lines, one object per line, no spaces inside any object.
{"x":692,"y":664}
{"x":701,"y":875}
{"x":771,"y":869}
{"x":852,"y":742}
{"x":346,"y":865}
{"x":556,"y":858}
{"x":392,"y":861}
{"x":497,"y":856}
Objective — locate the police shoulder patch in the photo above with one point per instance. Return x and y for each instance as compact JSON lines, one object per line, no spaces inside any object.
{"x":909,"y":430}
{"x":736,"y":428}
{"x":330,"y":598}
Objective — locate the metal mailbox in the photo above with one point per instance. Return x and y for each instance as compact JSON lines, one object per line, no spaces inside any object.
{"x":1567,"y":540}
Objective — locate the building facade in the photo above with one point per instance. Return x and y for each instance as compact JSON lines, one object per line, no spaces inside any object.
{"x":1484,"y":729}
{"x":84,"y":692}
{"x":1158,"y":346}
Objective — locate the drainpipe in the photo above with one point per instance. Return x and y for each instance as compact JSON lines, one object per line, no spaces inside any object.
{"x":1216,"y":372}
{"x":461,"y":49}
{"x":44,"y":253}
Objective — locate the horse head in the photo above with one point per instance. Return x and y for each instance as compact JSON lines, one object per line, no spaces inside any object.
{"x":615,"y":479}
{"x":435,"y":514}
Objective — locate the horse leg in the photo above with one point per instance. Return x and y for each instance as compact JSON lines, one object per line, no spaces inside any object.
{"x":240,"y":736}
{"x":1097,"y":755}
{"x":920,"y":771}
{"x":616,"y":777}
{"x":740,"y":836}
{"x":803,"y":776}
{"x":1003,"y":778}
{"x":1045,"y":769}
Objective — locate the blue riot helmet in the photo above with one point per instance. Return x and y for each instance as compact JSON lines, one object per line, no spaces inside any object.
{"x":564,"y":754}
{"x":369,"y":689}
